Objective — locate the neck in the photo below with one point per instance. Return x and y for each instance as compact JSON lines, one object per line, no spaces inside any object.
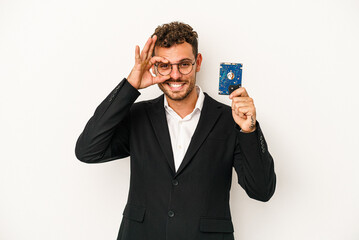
{"x":185,"y":106}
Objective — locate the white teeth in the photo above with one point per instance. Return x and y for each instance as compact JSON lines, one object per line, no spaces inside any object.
{"x":175,"y":85}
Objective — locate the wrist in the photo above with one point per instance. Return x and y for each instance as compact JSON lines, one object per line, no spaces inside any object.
{"x":250,"y":131}
{"x":132,"y":82}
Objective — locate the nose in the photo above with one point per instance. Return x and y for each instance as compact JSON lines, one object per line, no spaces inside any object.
{"x":175,"y":74}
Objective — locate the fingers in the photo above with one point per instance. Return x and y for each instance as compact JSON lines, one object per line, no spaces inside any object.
{"x":148,"y":48}
{"x":243,"y":99}
{"x":137,"y":53}
{"x":244,"y":112}
{"x":243,"y":106}
{"x":154,"y":38}
{"x":145,"y":56}
{"x":144,"y":53}
{"x":240,"y":92}
{"x":243,"y":109}
{"x":160,"y":79}
{"x":238,"y":113}
{"x":156,"y":59}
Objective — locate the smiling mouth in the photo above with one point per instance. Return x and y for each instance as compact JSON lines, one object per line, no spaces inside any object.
{"x":175,"y":85}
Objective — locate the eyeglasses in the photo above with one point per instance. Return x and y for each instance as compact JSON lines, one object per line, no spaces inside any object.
{"x":185,"y":67}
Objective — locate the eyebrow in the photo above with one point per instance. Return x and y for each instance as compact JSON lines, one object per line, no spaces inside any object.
{"x":183,"y":59}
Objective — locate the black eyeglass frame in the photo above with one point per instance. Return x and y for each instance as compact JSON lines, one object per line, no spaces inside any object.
{"x":179,"y":69}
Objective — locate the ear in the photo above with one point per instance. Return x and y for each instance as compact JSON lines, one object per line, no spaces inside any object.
{"x":198,"y":62}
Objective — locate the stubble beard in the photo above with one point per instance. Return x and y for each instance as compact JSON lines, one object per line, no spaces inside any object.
{"x":174,"y":96}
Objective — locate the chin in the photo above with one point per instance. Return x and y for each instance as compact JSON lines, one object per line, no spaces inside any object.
{"x":176,"y":96}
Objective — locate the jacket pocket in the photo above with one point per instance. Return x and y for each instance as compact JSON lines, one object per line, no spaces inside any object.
{"x":216,"y":225}
{"x":133,"y":212}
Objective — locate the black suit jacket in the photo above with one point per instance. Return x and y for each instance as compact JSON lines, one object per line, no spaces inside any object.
{"x":192,"y":203}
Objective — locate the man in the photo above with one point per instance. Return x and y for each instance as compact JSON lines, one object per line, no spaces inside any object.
{"x":182,"y":144}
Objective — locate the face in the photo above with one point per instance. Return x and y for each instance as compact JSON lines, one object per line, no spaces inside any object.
{"x":179,"y":86}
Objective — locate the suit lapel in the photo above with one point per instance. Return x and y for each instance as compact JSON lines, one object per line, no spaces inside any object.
{"x":209,"y":115}
{"x":157,"y":115}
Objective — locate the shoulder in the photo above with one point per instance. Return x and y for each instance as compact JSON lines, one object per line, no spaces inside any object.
{"x":213,"y":103}
{"x":215,"y":109}
{"x":147,"y":104}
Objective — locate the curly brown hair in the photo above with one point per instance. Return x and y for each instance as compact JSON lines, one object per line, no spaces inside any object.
{"x":173,"y":33}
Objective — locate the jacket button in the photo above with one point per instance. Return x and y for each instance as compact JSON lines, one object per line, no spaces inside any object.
{"x":171,"y":214}
{"x":174,"y":182}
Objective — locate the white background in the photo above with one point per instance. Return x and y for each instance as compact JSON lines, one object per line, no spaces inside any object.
{"x":60,"y":59}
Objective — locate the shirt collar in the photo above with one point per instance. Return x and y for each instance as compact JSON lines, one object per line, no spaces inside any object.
{"x":199,"y":103}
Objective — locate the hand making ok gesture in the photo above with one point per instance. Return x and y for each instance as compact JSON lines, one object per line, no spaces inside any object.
{"x":140,"y":76}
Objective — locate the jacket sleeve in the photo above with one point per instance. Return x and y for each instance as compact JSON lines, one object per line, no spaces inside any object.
{"x":254,"y":165}
{"x":106,"y":134}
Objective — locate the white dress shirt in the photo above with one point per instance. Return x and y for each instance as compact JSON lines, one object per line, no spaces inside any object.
{"x":182,"y":129}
